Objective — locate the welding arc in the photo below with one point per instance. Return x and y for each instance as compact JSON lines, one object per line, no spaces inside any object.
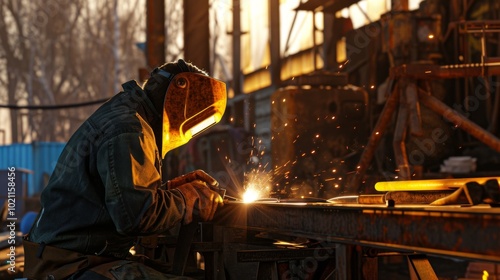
{"x":429,"y":185}
{"x":53,"y":107}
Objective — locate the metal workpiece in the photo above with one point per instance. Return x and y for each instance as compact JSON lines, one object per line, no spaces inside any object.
{"x":458,"y":232}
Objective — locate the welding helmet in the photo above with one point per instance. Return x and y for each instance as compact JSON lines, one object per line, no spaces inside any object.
{"x":193,"y":102}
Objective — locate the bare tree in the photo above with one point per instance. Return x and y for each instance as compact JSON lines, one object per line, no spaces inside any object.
{"x":64,"y":51}
{"x":12,"y":51}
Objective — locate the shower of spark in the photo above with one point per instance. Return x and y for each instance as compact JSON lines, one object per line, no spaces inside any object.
{"x":257,"y":185}
{"x":257,"y":181}
{"x":262,"y":181}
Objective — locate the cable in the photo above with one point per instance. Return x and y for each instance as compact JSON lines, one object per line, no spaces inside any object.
{"x":52,"y":107}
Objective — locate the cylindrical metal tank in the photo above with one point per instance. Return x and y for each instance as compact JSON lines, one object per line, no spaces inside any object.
{"x":317,"y":135}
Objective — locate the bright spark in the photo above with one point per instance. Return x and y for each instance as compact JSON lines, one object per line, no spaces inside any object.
{"x":257,"y":185}
{"x":251,"y":195}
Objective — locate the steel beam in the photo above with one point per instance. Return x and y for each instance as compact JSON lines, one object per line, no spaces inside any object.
{"x":155,"y":33}
{"x":460,"y":121}
{"x":375,"y":138}
{"x":469,"y":233}
{"x":420,"y":268}
{"x":433,"y":71}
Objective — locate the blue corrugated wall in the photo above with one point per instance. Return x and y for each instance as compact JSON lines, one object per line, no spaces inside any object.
{"x":38,"y":157}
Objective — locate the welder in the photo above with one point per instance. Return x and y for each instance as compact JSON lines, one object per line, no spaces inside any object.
{"x":106,"y":189}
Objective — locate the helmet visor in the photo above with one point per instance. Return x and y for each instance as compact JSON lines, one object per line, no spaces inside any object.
{"x":193,"y":103}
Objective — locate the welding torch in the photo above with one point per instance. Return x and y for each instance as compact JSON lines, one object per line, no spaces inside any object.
{"x":204,"y":177}
{"x":225,"y":197}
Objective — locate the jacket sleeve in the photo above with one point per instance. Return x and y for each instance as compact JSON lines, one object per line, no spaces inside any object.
{"x":133,"y":197}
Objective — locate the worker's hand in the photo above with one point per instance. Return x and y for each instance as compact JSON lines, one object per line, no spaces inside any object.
{"x":200,"y":201}
{"x":192,"y":176}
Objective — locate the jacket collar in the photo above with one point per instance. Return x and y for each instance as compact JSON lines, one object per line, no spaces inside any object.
{"x":149,"y":108}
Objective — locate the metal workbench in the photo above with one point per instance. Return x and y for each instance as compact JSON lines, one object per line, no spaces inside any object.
{"x":417,"y":231}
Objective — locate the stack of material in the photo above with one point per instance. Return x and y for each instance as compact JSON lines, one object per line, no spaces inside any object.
{"x":459,"y":165}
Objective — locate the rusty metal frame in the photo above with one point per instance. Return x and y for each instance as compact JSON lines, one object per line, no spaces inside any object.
{"x":405,"y":76}
{"x":400,"y":75}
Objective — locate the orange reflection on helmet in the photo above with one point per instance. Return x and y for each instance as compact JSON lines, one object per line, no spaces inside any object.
{"x":193,"y":103}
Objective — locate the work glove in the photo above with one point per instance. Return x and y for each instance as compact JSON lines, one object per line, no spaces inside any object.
{"x":474,"y":193}
{"x":201,"y":199}
{"x":192,"y":176}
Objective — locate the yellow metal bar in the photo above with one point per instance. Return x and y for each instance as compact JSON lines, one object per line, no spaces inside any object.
{"x":428,"y":185}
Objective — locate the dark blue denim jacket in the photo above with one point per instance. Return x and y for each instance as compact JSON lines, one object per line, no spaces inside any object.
{"x":106,"y":188}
